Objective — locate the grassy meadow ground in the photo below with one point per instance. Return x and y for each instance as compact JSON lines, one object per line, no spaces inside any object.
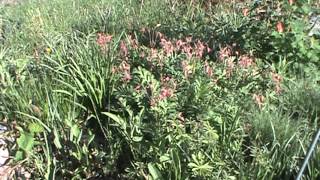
{"x":160,"y":89}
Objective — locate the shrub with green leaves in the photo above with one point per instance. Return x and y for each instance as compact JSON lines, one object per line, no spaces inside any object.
{"x":159,"y":89}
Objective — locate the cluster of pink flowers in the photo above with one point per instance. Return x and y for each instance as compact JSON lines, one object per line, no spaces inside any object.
{"x":200,"y":48}
{"x":245,"y":11}
{"x":168,"y":87}
{"x":228,"y":55}
{"x":103,"y":39}
{"x":167,"y":46}
{"x":125,"y":70}
{"x":186,"y":46}
{"x":277,"y":79}
{"x":165,"y":92}
{"x":225,"y":53}
{"x":123,"y":49}
{"x":246,"y":61}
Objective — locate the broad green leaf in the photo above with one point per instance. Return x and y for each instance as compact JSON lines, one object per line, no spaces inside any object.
{"x":155,"y":173}
{"x":19,"y":156}
{"x":75,"y":131}
{"x":56,"y":139}
{"x":26,"y":141}
{"x":176,"y":164}
{"x":117,"y":119}
{"x":165,"y":158}
{"x":137,"y":138}
{"x":35,"y":128}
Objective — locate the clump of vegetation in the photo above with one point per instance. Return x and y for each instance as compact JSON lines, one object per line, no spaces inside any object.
{"x":160,"y":89}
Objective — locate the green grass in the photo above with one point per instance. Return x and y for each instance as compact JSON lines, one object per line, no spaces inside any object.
{"x":181,"y":91}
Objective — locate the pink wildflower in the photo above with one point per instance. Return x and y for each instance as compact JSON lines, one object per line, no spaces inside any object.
{"x":245,"y":61}
{"x":142,"y":54}
{"x":167,"y":46}
{"x":187,"y":49}
{"x":153,"y":102}
{"x":165,"y":79}
{"x":103,"y":39}
{"x":277,"y":79}
{"x":280,"y":27}
{"x":123,"y":49}
{"x":125,"y":68}
{"x":180,"y":44}
{"x":165,"y":93}
{"x":126,"y":76}
{"x":245,"y":11}
{"x":137,"y":89}
{"x":225,"y":52}
{"x":291,"y":2}
{"x":199,"y":49}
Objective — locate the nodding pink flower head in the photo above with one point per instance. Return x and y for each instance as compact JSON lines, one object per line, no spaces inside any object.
{"x":167,"y":46}
{"x":125,"y":69}
{"x":165,"y":93}
{"x":103,"y":39}
{"x":291,"y":2}
{"x":125,"y":66}
{"x":123,"y":49}
{"x":277,"y":79}
{"x":137,"y":88}
{"x":245,"y":11}
{"x":142,"y":55}
{"x":165,"y":79}
{"x":245,"y":61}
{"x":180,"y":44}
{"x":225,"y":52}
{"x":187,"y":49}
{"x":199,"y":49}
{"x":280,"y":27}
{"x":126,"y":76}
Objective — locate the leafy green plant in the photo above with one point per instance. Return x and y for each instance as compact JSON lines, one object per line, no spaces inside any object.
{"x":177,"y":90}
